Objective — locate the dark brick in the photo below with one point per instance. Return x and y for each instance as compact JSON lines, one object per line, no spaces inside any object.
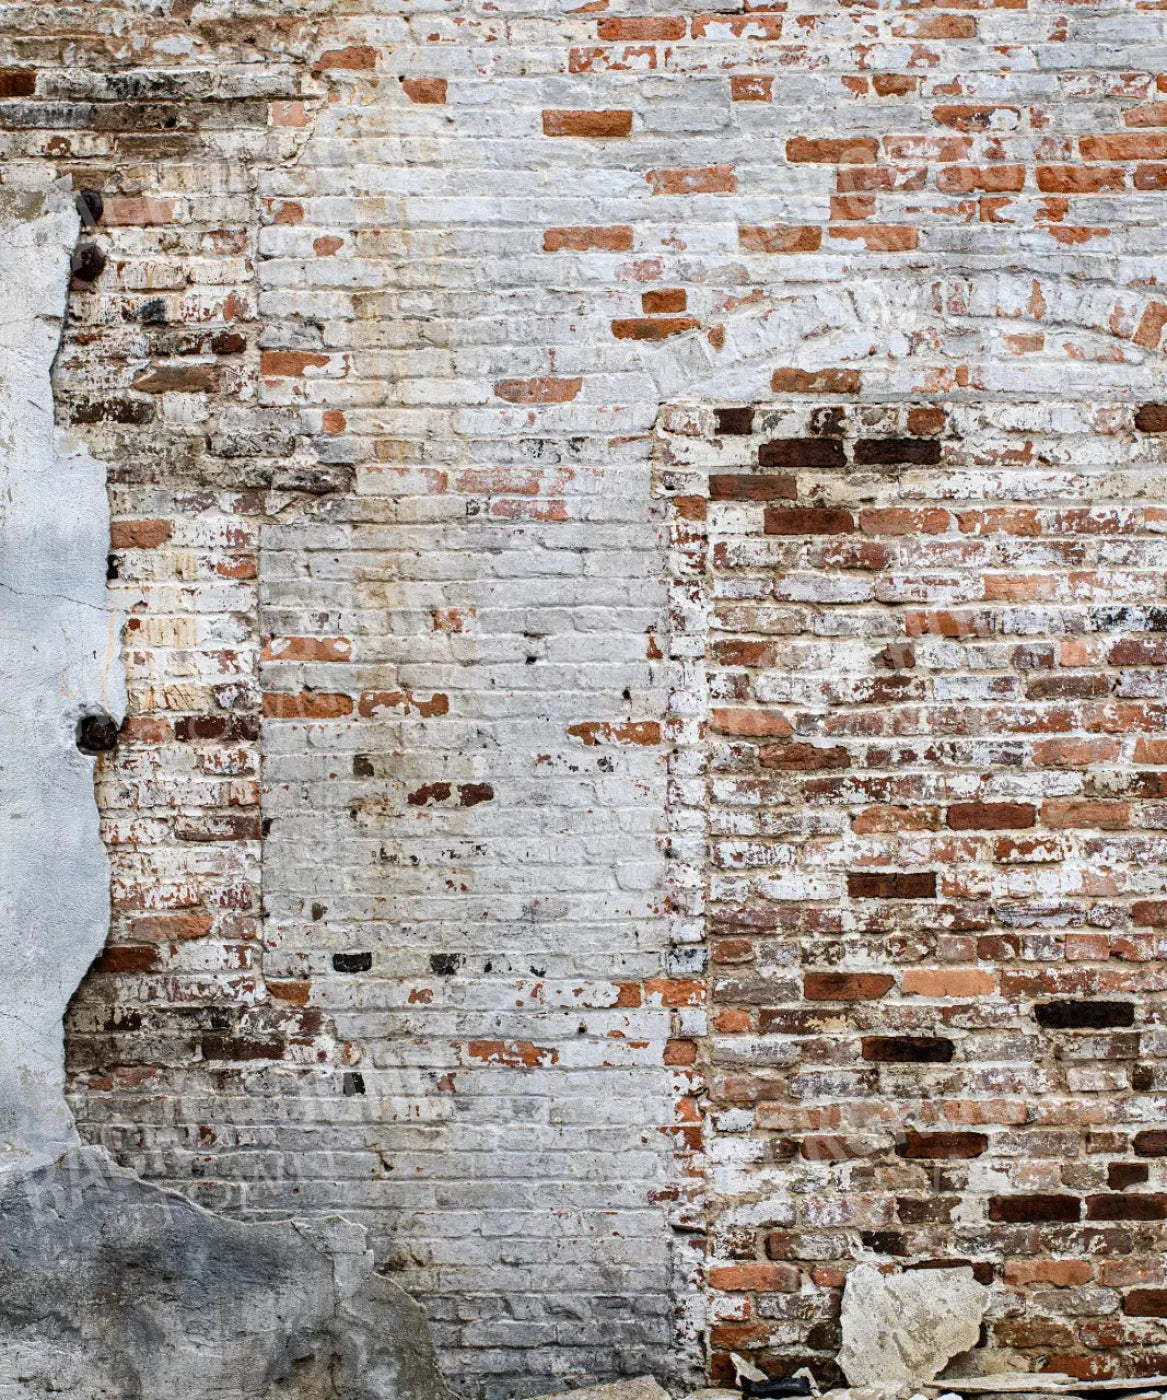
{"x":1145,"y":1302}
{"x":352,"y":962}
{"x":1138,"y":1206}
{"x":1076,"y":687}
{"x":802,"y":452}
{"x":113,"y":411}
{"x":808,"y":520}
{"x":740,"y":486}
{"x":1151,"y":1142}
{"x":232,"y":728}
{"x":916,"y":884}
{"x":1120,"y":1175}
{"x":933,"y":1210}
{"x":1084,"y":1015}
{"x":17,"y":82}
{"x":937,"y":1146}
{"x":907,"y":1049}
{"x":1034,"y":1210}
{"x":217,"y":1046}
{"x":1151,"y":418}
{"x":890,"y":452}
{"x":126,"y":958}
{"x":734,"y":422}
{"x":847,"y":986}
{"x":990,"y":816}
{"x":886,"y":1242}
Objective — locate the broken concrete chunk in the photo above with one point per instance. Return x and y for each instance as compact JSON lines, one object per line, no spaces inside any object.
{"x":639,"y":1388}
{"x":907,"y":1327}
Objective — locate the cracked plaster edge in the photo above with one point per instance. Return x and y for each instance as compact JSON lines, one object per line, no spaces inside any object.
{"x":60,"y":658}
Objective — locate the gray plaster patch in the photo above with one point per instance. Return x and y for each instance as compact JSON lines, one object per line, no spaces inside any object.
{"x":59,"y":658}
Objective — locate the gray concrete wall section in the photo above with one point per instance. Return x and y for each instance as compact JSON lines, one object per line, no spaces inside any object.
{"x":60,"y":659}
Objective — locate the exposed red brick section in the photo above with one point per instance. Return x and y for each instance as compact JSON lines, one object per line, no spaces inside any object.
{"x":915,"y":750}
{"x":708,"y":179}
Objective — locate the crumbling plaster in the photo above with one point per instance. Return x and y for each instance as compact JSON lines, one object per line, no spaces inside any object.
{"x":60,"y":655}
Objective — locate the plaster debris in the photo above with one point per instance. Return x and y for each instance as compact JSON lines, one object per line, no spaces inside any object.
{"x":908,"y":1326}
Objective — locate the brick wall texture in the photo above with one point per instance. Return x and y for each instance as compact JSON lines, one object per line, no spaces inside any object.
{"x":642,"y":540}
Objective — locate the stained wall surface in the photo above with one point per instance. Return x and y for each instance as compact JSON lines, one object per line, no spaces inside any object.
{"x":417,"y":843}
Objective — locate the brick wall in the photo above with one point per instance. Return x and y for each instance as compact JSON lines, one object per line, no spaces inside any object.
{"x":408,"y":824}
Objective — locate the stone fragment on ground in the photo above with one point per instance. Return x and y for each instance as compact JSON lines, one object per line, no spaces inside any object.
{"x":907,"y":1326}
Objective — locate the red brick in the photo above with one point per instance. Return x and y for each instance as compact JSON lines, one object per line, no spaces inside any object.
{"x":832,"y":150}
{"x":291,"y":364}
{"x":358,"y":58}
{"x":138,"y":534}
{"x":697,"y":179}
{"x":429,"y":92}
{"x":641,"y":29}
{"x":754,"y":1278}
{"x":879,"y":238}
{"x":615,"y":239}
{"x":949,"y":982}
{"x":653,"y":328}
{"x":751,"y":87}
{"x":545,"y":390}
{"x":593,"y":125}
{"x":309,"y":705}
{"x":817,"y":381}
{"x":780,"y":238}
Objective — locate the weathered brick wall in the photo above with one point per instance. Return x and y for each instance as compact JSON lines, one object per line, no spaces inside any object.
{"x":391,"y":304}
{"x":933,"y":808}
